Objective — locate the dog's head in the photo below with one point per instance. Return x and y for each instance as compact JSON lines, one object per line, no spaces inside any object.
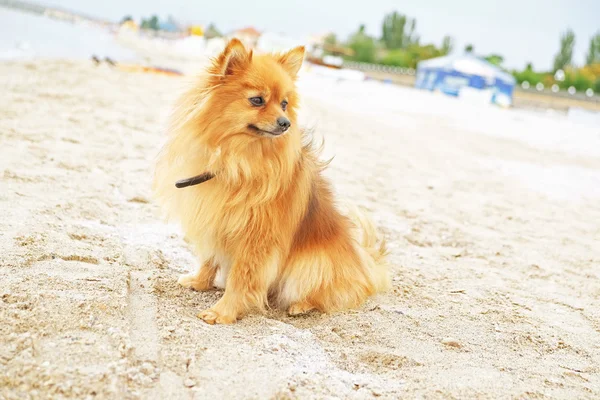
{"x":254,"y":94}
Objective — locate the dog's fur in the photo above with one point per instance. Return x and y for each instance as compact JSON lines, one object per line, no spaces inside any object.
{"x":267,"y":220}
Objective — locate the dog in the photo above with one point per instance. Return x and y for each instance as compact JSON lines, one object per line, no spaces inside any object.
{"x":267,"y":220}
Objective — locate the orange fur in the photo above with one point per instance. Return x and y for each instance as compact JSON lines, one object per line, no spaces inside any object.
{"x":267,"y":220}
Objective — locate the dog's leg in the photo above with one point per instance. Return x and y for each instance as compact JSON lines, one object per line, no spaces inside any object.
{"x":202,"y":279}
{"x":246,"y":288}
{"x":301,"y":307}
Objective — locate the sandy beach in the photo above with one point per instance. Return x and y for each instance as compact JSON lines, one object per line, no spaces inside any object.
{"x":492,"y":218}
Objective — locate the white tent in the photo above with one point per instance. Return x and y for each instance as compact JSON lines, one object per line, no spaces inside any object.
{"x":466,"y":75}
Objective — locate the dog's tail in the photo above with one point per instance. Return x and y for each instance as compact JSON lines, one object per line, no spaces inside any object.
{"x":372,"y":249}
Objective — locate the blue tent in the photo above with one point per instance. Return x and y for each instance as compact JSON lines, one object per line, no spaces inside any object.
{"x":168,"y":26}
{"x":459,"y":75}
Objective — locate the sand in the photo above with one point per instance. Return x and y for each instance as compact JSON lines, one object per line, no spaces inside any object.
{"x":492,"y":218}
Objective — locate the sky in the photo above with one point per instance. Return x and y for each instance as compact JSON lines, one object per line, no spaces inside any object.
{"x":520,"y":30}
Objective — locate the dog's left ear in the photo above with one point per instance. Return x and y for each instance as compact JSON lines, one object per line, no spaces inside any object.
{"x":292,"y":60}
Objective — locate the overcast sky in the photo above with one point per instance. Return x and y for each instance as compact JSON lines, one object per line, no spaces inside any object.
{"x":520,"y":30}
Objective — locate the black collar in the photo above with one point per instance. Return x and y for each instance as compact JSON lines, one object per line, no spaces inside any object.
{"x":195,"y":180}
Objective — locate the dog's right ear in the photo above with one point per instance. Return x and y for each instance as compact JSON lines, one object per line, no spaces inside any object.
{"x":233,"y":58}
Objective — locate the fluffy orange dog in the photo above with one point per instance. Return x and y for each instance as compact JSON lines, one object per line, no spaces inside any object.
{"x":267,"y":220}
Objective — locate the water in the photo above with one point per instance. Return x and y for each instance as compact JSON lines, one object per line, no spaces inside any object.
{"x":24,"y":36}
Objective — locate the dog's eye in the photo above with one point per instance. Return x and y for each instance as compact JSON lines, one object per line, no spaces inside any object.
{"x":284,"y":105}
{"x":257,"y":101}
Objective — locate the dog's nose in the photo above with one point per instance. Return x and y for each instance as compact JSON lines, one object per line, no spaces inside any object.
{"x":283,"y":123}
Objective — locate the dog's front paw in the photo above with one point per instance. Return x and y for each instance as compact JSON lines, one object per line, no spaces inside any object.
{"x":212,"y":317}
{"x":300,"y":308}
{"x":191,"y":281}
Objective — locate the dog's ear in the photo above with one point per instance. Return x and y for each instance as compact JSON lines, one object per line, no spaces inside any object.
{"x":234,"y":57}
{"x":292,"y":60}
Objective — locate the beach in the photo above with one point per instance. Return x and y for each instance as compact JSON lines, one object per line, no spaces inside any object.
{"x":491,"y":217}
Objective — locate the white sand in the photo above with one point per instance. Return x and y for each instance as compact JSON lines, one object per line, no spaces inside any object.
{"x":492,"y":216}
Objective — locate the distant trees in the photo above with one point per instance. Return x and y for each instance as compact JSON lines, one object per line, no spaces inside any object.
{"x":564,"y":57}
{"x":398,"y":58}
{"x":408,"y":58}
{"x":363,"y":46}
{"x":399,"y":45}
{"x":126,"y":18}
{"x":528,"y":75}
{"x":593,"y":55}
{"x":212,"y":32}
{"x":151,"y":23}
{"x":398,"y":31}
{"x":495,"y":59}
{"x":447,"y":45}
{"x":582,"y":79}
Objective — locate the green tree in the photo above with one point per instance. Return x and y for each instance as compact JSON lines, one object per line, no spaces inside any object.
{"x":469,"y":48}
{"x":212,"y":32}
{"x":593,"y":55}
{"x":398,"y":31}
{"x":447,"y":45}
{"x":581,"y":82}
{"x":363,"y":46}
{"x":528,"y":75}
{"x":410,"y":57}
{"x":398,"y":58}
{"x":420,"y":53}
{"x":151,"y":23}
{"x":576,"y":79}
{"x":564,"y":57}
{"x":154,"y":23}
{"x":495,"y":59}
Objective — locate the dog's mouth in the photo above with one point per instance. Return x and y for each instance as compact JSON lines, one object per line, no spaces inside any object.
{"x":262,"y":132}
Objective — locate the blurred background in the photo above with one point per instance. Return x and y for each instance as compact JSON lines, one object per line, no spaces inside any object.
{"x":525,"y":54}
